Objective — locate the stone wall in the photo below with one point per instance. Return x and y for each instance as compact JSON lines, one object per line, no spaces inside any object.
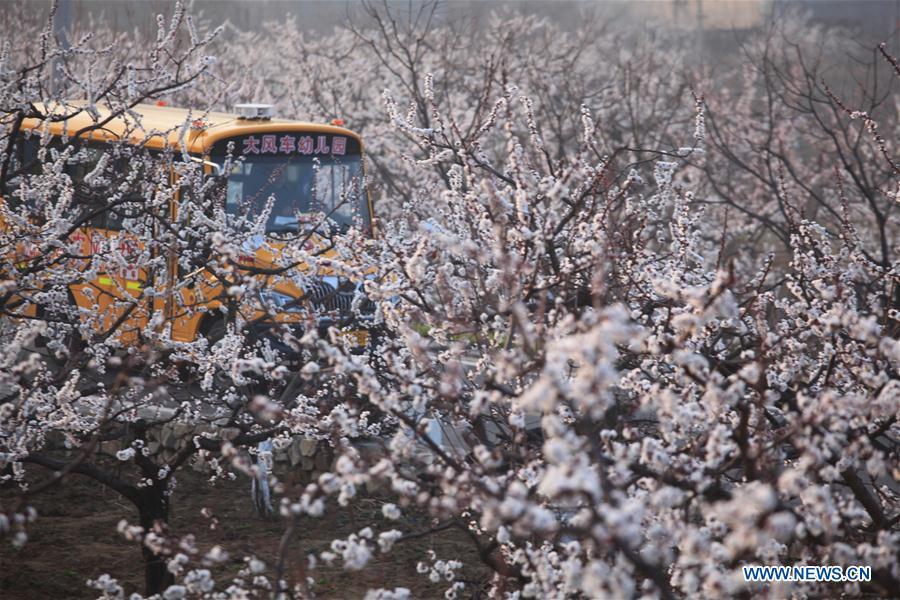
{"x":303,"y":456}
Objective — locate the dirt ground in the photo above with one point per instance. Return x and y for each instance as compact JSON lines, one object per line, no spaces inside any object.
{"x":75,"y":539}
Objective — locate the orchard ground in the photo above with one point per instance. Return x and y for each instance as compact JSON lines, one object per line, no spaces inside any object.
{"x":75,"y":539}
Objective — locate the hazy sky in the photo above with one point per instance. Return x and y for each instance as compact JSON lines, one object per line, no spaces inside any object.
{"x":720,"y":21}
{"x":879,"y":17}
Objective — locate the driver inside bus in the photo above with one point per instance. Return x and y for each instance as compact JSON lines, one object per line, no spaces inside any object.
{"x":292,"y":198}
{"x":283,"y":214}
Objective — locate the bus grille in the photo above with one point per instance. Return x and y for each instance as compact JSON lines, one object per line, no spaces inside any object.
{"x":325,"y":296}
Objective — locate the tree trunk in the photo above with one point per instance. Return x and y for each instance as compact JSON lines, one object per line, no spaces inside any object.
{"x":154,"y":510}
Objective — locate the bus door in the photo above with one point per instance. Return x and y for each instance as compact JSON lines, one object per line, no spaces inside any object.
{"x":112,"y":297}
{"x":194,"y":295}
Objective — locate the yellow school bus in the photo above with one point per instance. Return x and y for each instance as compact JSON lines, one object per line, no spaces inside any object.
{"x":297,"y":171}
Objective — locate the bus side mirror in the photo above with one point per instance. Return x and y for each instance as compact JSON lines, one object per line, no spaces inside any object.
{"x":218,"y":170}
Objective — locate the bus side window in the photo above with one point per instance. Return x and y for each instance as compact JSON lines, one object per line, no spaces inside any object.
{"x":133,"y":199}
{"x":24,"y":158}
{"x":88,"y":197}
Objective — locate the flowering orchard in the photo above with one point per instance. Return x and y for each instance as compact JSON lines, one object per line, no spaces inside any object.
{"x":637,"y":323}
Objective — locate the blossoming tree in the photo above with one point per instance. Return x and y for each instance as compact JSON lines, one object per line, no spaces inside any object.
{"x":631,"y":338}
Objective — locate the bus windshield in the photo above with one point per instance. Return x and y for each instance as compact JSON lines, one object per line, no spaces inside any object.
{"x":305,"y":188}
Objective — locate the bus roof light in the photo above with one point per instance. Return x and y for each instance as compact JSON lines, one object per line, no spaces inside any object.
{"x":254,"y":112}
